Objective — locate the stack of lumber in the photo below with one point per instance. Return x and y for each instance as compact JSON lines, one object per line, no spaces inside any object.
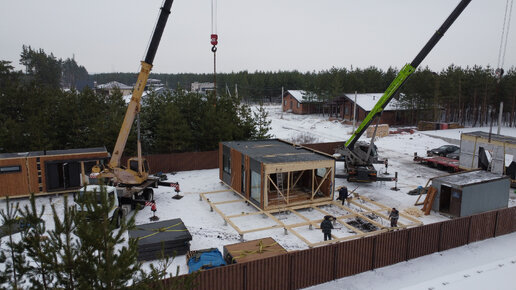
{"x":169,"y":237}
{"x":252,"y":250}
{"x":382,"y":131}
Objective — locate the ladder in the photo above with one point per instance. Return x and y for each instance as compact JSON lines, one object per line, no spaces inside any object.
{"x":429,"y":200}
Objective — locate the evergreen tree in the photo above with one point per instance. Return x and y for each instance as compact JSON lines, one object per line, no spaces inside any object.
{"x":263,"y":124}
{"x":65,"y":248}
{"x":101,"y":263}
{"x":37,"y":247}
{"x":15,"y":264}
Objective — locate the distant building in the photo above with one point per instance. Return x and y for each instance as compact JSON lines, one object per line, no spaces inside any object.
{"x":153,"y":84}
{"x":202,"y":88}
{"x":342,"y":107}
{"x":301,"y":102}
{"x":110,"y":87}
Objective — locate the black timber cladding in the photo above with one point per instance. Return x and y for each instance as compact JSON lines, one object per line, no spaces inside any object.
{"x":53,"y":152}
{"x":275,"y":151}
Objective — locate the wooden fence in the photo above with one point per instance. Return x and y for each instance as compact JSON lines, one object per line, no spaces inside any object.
{"x":314,"y":266}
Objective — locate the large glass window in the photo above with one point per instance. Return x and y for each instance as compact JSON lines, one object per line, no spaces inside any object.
{"x":9,"y":169}
{"x":226,"y":162}
{"x":256,"y":181}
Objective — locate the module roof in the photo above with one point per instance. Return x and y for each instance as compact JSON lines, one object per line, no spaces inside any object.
{"x":304,"y":96}
{"x":275,"y":151}
{"x":469,"y":178}
{"x":494,"y":137}
{"x":53,"y":152}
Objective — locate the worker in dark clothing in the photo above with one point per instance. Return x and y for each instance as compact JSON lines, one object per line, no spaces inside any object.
{"x":394,"y":216}
{"x":326,"y":227}
{"x":343,"y":195}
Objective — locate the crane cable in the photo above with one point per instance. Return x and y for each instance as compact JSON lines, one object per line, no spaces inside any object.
{"x":214,"y":41}
{"x":504,"y":37}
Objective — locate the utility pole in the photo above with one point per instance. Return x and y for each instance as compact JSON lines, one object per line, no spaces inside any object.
{"x":282,"y":102}
{"x":500,"y":118}
{"x":354,"y":112}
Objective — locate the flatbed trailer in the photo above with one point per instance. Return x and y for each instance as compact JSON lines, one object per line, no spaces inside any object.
{"x":439,"y":162}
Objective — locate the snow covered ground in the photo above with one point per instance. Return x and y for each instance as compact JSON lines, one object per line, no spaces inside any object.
{"x":459,"y":268}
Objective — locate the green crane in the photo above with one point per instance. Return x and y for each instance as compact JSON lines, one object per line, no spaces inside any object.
{"x":359,"y":159}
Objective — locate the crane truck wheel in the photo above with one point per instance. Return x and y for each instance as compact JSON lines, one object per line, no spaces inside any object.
{"x":148,"y":194}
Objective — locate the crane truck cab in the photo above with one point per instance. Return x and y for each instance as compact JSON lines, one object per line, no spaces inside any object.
{"x":97,"y":190}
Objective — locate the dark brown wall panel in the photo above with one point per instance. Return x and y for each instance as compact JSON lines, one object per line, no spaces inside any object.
{"x":312,"y":266}
{"x":454,"y":233}
{"x":506,"y":221}
{"x":271,"y":273}
{"x":423,"y":240}
{"x":222,"y":278}
{"x":354,"y":257}
{"x":390,"y":248}
{"x":236,"y":170}
{"x":482,"y":226}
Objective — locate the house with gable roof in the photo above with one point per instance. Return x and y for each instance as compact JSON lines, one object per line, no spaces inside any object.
{"x":342,"y":108}
{"x":301,"y":102}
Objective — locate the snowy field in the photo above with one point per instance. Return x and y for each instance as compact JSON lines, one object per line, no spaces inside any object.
{"x":454,"y":269}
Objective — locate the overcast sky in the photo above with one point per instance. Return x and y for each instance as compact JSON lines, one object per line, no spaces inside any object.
{"x":270,"y":35}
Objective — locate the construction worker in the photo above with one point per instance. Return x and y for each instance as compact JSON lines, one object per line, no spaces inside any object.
{"x":326,"y":227}
{"x":343,"y":195}
{"x":394,"y":216}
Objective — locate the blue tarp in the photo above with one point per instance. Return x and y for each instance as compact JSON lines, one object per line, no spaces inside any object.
{"x":205,"y":259}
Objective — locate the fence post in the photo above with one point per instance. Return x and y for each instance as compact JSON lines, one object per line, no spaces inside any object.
{"x":409,"y":232}
{"x":244,"y":272}
{"x":440,"y":236}
{"x":335,"y":261}
{"x":374,"y":253}
{"x":469,"y":231}
{"x":496,"y":223}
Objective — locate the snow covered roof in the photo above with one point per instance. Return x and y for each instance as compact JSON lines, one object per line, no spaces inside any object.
{"x":367,"y":101}
{"x":494,"y":137}
{"x":54,"y":152}
{"x":470,"y":178}
{"x":114,"y":84}
{"x":275,"y":151}
{"x":303,"y":96}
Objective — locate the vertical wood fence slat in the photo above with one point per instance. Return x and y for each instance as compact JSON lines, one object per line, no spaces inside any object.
{"x":223,"y":278}
{"x":391,"y":248}
{"x":312,"y":266}
{"x":354,"y":257}
{"x":271,"y":273}
{"x":424,"y":240}
{"x":454,"y":233}
{"x":482,"y":226}
{"x":506,"y":221}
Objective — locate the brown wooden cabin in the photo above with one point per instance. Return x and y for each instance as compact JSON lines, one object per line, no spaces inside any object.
{"x":275,"y":174}
{"x":42,"y":172}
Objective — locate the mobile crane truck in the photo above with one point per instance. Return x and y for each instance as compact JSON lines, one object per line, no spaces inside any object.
{"x":360,"y":156}
{"x":133,"y":183}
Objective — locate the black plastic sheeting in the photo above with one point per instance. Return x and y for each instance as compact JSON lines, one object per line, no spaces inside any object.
{"x":161,"y":239}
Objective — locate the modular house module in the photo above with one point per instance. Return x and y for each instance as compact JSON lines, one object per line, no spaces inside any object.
{"x":275,"y":174}
{"x":41,"y":172}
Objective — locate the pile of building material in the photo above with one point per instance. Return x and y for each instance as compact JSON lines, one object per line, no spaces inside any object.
{"x":252,"y":250}
{"x":166,"y":238}
{"x":382,"y":131}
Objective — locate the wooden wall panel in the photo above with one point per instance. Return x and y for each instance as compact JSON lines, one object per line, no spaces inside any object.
{"x":15,"y":183}
{"x":236,"y":170}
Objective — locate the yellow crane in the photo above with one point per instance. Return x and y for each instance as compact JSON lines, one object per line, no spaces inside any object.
{"x":137,"y":170}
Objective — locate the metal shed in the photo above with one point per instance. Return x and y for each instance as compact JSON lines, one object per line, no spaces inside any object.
{"x":42,"y":172}
{"x":472,"y":192}
{"x":275,"y":173}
